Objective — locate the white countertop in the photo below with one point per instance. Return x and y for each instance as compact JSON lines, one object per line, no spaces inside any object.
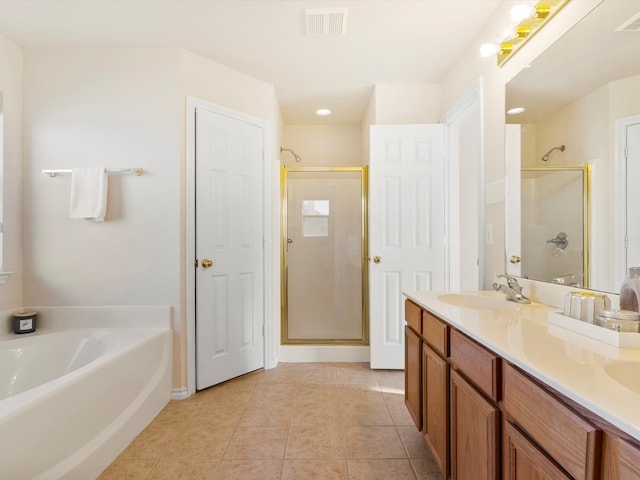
{"x":600,"y":377}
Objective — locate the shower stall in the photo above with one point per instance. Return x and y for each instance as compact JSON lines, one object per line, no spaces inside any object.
{"x":555,"y":213}
{"x":324,"y":256}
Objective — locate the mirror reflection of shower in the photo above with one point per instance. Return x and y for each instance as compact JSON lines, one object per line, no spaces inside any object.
{"x":545,"y":157}
{"x":295,"y":155}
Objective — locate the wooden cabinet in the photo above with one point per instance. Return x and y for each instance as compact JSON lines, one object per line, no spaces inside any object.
{"x":620,"y":459}
{"x":522,"y":460}
{"x":474,"y":433}
{"x":413,"y":375}
{"x":564,"y":435}
{"x":435,"y":407}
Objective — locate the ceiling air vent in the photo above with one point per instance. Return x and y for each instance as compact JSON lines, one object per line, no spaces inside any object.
{"x":631,"y":25}
{"x":326,"y":21}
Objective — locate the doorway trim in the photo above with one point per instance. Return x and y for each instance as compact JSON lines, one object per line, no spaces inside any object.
{"x":471,"y":100}
{"x":364,"y":179}
{"x":190,"y":237}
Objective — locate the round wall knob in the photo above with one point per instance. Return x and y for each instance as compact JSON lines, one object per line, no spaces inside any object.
{"x":514,"y":259}
{"x":377,"y":259}
{"x":206,"y":263}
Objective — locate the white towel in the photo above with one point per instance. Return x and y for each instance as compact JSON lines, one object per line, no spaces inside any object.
{"x":89,"y":193}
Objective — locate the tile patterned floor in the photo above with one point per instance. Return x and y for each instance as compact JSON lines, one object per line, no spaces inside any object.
{"x":297,"y":421}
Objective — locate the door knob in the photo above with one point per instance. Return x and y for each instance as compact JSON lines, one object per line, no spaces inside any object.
{"x":514,"y":259}
{"x":206,"y":263}
{"x":377,"y":259}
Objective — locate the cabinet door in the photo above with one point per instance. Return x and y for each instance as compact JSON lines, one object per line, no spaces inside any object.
{"x":413,"y":375}
{"x":435,"y":407}
{"x":474,"y":433}
{"x":521,"y":459}
{"x":620,"y":459}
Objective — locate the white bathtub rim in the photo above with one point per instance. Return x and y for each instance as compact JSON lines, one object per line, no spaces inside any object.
{"x":13,"y":405}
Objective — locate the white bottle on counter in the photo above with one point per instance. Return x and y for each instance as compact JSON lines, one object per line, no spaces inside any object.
{"x":630,"y":291}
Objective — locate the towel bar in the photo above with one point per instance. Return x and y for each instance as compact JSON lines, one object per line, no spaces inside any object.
{"x":54,"y":172}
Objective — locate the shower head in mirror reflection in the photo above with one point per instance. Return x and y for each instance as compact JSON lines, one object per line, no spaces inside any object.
{"x":295,"y":155}
{"x":545,"y":157}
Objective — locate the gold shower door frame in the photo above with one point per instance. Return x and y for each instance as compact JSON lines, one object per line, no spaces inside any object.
{"x":364,"y":189}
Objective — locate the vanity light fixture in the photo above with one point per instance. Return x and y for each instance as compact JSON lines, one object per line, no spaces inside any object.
{"x":323,"y":112}
{"x":530,"y":19}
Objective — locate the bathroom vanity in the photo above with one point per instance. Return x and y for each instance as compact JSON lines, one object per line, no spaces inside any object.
{"x":497,"y":392}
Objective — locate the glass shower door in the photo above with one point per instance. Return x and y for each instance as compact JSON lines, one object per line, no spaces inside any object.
{"x":324,"y":244}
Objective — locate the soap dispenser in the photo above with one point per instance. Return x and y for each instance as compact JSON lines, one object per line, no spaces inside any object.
{"x":630,"y":291}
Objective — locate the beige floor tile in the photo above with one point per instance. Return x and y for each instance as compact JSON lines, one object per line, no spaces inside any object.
{"x":315,"y":442}
{"x":249,"y":470}
{"x":426,"y":469}
{"x":152,"y":443}
{"x":316,"y":414}
{"x":266,"y":415}
{"x":201,"y":443}
{"x":380,"y":469}
{"x":365,"y":414}
{"x":391,"y":380}
{"x":314,"y":470}
{"x":216,"y":415}
{"x":373,"y":442}
{"x":281,"y":394}
{"x":257,"y":443}
{"x":400,"y":414}
{"x":359,"y":394}
{"x":184,"y":469}
{"x":393,"y":397}
{"x":357,"y":375}
{"x":413,"y":442}
{"x":306,"y":394}
{"x":128,"y":469}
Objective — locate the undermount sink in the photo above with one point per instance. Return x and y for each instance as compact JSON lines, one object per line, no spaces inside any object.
{"x":478,"y":301}
{"x":626,"y":374}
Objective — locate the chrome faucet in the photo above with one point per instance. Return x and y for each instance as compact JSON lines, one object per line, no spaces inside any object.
{"x":512,"y":289}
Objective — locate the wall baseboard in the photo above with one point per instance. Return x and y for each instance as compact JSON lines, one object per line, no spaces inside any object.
{"x":323,"y":353}
{"x":179,"y":393}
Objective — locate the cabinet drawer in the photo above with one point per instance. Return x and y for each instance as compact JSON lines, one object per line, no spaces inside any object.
{"x":413,"y":316}
{"x":477,"y":363}
{"x":567,"y":437}
{"x":436,"y":333}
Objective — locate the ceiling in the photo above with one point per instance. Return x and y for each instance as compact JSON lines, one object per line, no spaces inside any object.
{"x":386,"y":41}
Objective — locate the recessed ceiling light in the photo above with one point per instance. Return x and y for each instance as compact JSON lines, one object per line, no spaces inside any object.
{"x":323,"y":112}
{"x":515,"y":111}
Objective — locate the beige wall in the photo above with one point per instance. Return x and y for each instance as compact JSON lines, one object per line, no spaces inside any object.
{"x":323,"y":145}
{"x":465,"y":75}
{"x":11,"y":294}
{"x":121,"y":108}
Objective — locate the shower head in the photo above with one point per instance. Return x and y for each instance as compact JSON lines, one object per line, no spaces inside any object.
{"x":295,"y":155}
{"x":545,"y":157}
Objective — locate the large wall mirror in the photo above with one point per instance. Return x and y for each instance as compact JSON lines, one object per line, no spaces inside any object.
{"x":582,"y":108}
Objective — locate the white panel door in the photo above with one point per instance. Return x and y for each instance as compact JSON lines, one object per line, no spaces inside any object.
{"x":632,"y":157}
{"x":406,"y":229}
{"x":229,"y":233}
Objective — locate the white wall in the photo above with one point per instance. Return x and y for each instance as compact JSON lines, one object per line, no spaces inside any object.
{"x":407,"y":103}
{"x":11,"y":294}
